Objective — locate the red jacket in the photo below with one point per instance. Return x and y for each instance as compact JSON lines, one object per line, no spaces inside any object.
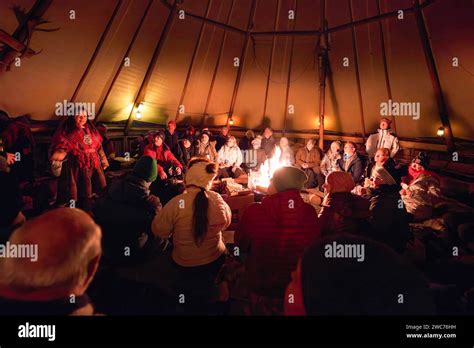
{"x":164,"y":157}
{"x":275,"y":234}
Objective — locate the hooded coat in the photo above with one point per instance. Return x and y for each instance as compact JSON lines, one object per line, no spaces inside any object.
{"x":125,"y":214}
{"x":389,"y":219}
{"x":275,"y":234}
{"x":344,"y":212}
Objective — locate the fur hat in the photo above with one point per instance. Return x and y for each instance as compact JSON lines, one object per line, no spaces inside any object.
{"x":201,"y":174}
{"x":389,"y":121}
{"x":289,"y":178}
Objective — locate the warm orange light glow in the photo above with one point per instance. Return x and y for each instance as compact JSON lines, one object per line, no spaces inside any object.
{"x":440,"y":131}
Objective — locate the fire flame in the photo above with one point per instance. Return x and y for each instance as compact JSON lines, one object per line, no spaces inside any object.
{"x":265,"y":173}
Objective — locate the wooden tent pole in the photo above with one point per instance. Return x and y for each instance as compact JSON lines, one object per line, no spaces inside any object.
{"x":288,"y":80}
{"x":342,"y":26}
{"x":323,"y":57}
{"x":272,"y":53}
{"x":127,"y":53}
{"x":208,"y":20}
{"x":193,"y":59}
{"x":435,"y":81}
{"x":243,"y":55}
{"x":385,"y":65}
{"x":357,"y":73}
{"x":216,"y":68}
{"x":96,"y":51}
{"x":151,"y":67}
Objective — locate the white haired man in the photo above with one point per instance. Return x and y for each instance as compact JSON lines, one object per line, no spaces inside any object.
{"x":62,"y":249}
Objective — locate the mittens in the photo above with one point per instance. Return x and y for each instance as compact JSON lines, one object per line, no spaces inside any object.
{"x":56,"y":167}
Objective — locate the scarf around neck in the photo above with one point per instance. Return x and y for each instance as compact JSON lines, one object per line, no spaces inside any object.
{"x":414,"y":174}
{"x":348,"y":162}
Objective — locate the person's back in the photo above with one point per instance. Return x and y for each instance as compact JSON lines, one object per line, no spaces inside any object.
{"x":126,"y":212}
{"x":180,"y":222}
{"x":195,"y":220}
{"x":344,"y":212}
{"x":352,"y":275}
{"x":179,"y":218}
{"x":275,"y":233}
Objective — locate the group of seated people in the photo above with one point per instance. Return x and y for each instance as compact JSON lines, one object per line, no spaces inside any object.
{"x":173,"y":152}
{"x":278,"y":262}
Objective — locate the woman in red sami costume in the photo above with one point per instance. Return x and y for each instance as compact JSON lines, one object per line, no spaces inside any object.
{"x":78,"y":159}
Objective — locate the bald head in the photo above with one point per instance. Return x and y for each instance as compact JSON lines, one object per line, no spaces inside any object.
{"x":68,"y":248}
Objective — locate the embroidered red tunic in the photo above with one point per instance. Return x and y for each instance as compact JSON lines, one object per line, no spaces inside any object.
{"x":82,"y":143}
{"x":82,"y":172}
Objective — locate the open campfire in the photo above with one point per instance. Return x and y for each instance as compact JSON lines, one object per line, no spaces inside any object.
{"x":260,"y":179}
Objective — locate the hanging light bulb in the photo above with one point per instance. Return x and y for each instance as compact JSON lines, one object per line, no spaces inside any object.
{"x":440,"y":131}
{"x":231,"y":121}
{"x":140,"y":107}
{"x":138,"y":115}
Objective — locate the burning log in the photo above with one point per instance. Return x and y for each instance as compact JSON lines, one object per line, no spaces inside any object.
{"x":265,"y":173}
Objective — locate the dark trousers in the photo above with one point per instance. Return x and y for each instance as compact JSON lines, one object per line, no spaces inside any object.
{"x":197,"y":284}
{"x":79,"y":184}
{"x":228,"y":173}
{"x":314,"y":179}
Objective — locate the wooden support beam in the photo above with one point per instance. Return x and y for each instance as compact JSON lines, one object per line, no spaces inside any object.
{"x":127,"y":54}
{"x":156,"y":54}
{"x":191,"y":64}
{"x":385,"y":65}
{"x":208,"y":20}
{"x":357,"y":73}
{"x":323,"y":62}
{"x":96,"y":51}
{"x":339,"y":27}
{"x":270,"y":65}
{"x":218,"y":62}
{"x":435,"y":81}
{"x":288,"y":80}
{"x":243,"y":55}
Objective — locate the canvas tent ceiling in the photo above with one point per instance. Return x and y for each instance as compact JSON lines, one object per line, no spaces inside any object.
{"x":135,"y":27}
